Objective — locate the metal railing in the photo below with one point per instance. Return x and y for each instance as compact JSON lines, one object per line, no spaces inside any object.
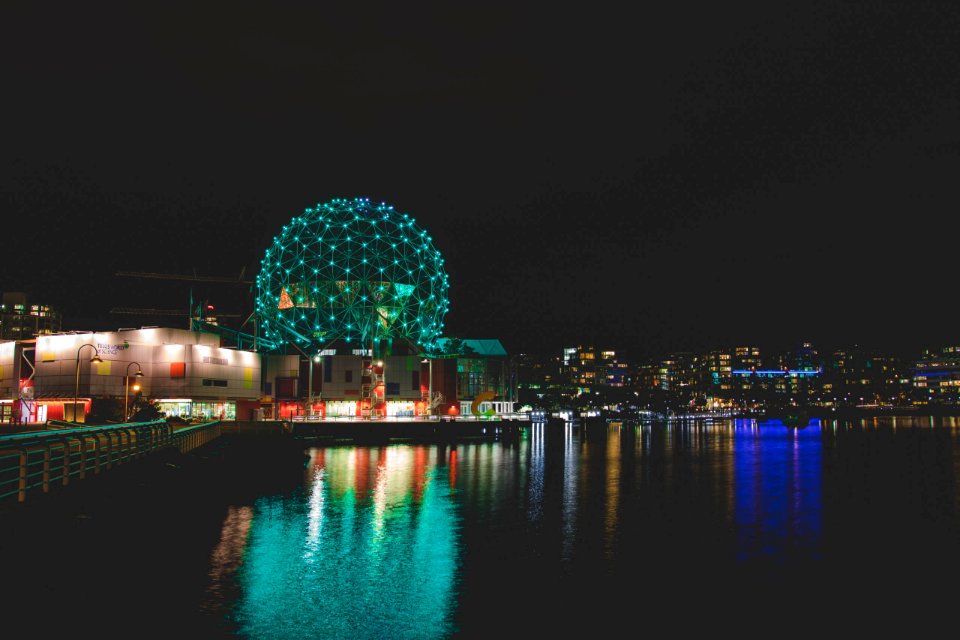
{"x":197,"y":435}
{"x":43,"y":459}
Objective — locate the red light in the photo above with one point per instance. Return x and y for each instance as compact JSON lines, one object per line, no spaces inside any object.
{"x":210,"y":306}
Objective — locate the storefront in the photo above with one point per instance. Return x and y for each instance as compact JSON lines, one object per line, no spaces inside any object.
{"x":341,"y":408}
{"x":402,"y":409}
{"x":205,"y":410}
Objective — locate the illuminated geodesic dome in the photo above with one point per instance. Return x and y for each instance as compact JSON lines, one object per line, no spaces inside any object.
{"x":355,"y":271}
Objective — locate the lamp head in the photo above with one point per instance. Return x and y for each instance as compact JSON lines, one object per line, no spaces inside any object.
{"x":96,"y":359}
{"x":139,"y":374}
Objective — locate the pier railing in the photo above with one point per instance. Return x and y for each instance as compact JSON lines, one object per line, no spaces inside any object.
{"x":44,"y":459}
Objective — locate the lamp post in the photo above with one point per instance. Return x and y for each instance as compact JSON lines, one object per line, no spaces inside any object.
{"x":429,"y":362}
{"x":311,"y":362}
{"x":383,"y":383}
{"x":126,"y":390}
{"x":95,"y":360}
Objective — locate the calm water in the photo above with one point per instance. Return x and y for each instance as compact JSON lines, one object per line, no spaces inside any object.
{"x":727,"y":526}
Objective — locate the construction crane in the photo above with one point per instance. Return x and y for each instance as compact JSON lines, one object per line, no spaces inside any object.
{"x":163,"y":312}
{"x":195,"y":311}
{"x":192,"y":278}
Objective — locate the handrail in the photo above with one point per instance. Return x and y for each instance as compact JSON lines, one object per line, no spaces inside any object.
{"x":43,"y":458}
{"x":60,"y":432}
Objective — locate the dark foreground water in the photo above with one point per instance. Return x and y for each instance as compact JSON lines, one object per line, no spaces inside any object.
{"x":728,"y":527}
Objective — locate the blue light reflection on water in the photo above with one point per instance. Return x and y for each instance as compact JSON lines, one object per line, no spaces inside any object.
{"x":350,"y":558}
{"x":778,"y":488}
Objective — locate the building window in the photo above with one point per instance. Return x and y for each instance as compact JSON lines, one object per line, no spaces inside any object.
{"x":208,"y":382}
{"x":348,"y":375}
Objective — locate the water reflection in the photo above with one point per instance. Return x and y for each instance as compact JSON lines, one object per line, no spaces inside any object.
{"x":414,"y":541}
{"x":778,"y":489}
{"x":367,"y":550}
{"x":570,"y":492}
{"x":228,"y":556}
{"x":612,"y":489}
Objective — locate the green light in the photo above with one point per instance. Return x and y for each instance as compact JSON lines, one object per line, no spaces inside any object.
{"x":354,"y":305}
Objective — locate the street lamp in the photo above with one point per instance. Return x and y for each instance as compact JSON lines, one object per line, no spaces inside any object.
{"x":95,"y":360}
{"x":126,"y":390}
{"x":383,"y":383}
{"x":429,"y":362}
{"x":316,"y":358}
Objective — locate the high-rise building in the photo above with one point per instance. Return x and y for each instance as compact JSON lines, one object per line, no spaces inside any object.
{"x":746,"y":358}
{"x":936,"y":377}
{"x":22,"y":320}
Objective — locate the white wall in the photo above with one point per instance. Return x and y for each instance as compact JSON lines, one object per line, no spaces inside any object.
{"x":9,"y":384}
{"x":154,"y":350}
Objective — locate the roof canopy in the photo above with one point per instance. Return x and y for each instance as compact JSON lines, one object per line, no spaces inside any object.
{"x":482,"y":348}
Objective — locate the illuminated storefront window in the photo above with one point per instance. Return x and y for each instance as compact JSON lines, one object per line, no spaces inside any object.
{"x":401,"y":409}
{"x":341,"y":408}
{"x":186,"y":409}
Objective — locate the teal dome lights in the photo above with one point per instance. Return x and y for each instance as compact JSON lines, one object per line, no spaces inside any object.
{"x":353,"y":271}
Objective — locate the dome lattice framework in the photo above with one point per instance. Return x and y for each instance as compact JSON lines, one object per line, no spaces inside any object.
{"x":354,"y":271}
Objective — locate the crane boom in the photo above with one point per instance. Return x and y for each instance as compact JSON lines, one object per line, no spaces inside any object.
{"x":192,"y":278}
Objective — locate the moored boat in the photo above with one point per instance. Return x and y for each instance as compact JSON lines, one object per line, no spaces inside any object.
{"x":792,"y":417}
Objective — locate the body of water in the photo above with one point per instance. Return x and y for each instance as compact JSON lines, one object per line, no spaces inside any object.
{"x":730,"y":526}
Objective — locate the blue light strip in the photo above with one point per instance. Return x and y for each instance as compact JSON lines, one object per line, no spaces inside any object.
{"x":776,"y":372}
{"x":935,"y":374}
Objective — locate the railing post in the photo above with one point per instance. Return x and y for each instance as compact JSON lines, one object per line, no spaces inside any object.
{"x":83,"y":456}
{"x":22,"y":483}
{"x":109,"y":435}
{"x":96,"y":454}
{"x":46,"y":467}
{"x":66,"y":462}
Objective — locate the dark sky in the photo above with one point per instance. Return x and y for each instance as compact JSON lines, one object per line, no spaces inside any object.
{"x":669,"y":176}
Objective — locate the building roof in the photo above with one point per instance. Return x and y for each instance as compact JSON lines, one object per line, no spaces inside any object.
{"x":484,"y":348}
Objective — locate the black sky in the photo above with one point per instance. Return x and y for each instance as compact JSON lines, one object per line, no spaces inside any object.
{"x":670,"y":176}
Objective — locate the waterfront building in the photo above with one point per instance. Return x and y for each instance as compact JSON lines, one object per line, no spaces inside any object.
{"x":21,"y":319}
{"x":855,"y":377}
{"x":936,"y":377}
{"x":618,"y":374}
{"x":350,"y":383}
{"x":746,"y":358}
{"x":15,"y":393}
{"x":679,"y":370}
{"x":718,"y":368}
{"x":185,"y":373}
{"x":588,"y":368}
{"x":535,"y":375}
{"x":756,"y":388}
{"x":647,"y":376}
{"x":352,"y":295}
{"x":345,"y":382}
{"x":348,"y":322}
{"x":583,"y":366}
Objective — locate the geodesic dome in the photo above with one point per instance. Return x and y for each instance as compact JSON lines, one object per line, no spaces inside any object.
{"x":354,"y":271}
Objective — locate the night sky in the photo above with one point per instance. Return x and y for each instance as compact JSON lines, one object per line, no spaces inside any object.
{"x":674,"y":176}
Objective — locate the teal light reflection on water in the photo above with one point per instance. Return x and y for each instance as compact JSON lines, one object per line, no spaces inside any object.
{"x":368,"y":549}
